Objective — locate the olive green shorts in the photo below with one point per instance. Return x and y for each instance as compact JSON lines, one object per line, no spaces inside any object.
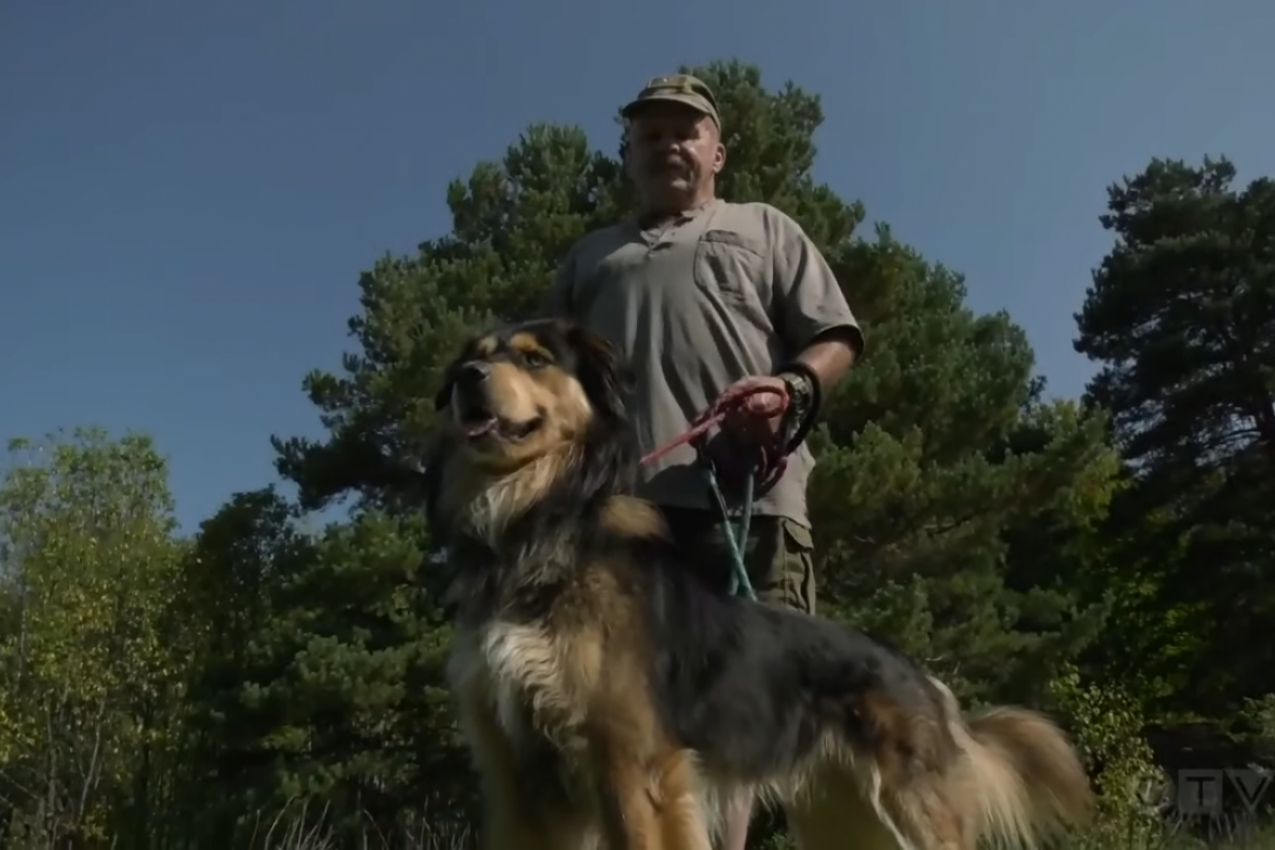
{"x":779,"y":555}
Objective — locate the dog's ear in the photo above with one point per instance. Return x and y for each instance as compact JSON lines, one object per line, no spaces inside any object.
{"x":606,"y":380}
{"x":444,"y":395}
{"x":434,"y":454}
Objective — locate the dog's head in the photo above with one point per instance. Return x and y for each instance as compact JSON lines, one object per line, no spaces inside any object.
{"x":529,"y":414}
{"x":520,"y":392}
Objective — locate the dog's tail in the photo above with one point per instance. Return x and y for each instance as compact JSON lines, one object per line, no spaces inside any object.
{"x":1020,"y":773}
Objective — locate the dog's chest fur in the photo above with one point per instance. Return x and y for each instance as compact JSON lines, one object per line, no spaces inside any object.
{"x":513,"y":660}
{"x":516,"y":671}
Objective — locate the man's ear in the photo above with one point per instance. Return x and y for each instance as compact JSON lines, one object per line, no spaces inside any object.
{"x":605,"y":379}
{"x":719,"y":158}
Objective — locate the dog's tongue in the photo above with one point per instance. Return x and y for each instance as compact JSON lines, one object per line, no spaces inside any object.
{"x":479,"y":427}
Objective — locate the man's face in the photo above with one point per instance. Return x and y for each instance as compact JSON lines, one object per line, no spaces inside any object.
{"x":673,"y":154}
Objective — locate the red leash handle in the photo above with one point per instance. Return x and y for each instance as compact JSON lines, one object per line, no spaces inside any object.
{"x":772,"y":461}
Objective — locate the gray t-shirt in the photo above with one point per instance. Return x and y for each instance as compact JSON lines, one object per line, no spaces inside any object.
{"x":726,"y":292}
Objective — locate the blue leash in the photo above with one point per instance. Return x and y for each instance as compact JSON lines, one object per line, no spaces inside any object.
{"x":740,"y":585}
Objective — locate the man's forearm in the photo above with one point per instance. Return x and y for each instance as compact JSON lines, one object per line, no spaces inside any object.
{"x":826,"y":360}
{"x":830,"y":356}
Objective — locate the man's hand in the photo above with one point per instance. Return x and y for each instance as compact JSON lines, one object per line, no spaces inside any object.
{"x":759,"y":417}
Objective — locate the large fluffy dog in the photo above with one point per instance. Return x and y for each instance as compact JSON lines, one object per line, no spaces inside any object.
{"x":607,"y":694}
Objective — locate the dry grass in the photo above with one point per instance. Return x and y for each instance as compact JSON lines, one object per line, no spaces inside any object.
{"x":1170,"y":838}
{"x":297,"y":828}
{"x":300,"y":827}
{"x":306,"y":833}
{"x":299,"y":836}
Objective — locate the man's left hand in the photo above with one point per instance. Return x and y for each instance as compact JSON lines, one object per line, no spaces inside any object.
{"x":760,"y":415}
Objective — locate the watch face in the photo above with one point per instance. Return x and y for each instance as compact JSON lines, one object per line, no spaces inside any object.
{"x":796,"y":385}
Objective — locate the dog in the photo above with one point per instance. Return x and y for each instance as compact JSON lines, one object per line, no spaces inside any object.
{"x":609,"y":696}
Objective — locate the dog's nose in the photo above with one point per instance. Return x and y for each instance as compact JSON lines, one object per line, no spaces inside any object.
{"x":473,"y":373}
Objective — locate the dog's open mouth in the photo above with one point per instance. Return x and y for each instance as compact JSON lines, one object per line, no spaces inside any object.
{"x":480,"y":424}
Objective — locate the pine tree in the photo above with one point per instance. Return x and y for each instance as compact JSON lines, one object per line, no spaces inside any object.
{"x":939,"y":458}
{"x":1181,"y":314}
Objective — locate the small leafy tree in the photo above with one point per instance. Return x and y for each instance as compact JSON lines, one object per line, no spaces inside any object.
{"x":91,"y":689}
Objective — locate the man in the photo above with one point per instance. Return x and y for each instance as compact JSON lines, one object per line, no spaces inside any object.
{"x":699,"y":294}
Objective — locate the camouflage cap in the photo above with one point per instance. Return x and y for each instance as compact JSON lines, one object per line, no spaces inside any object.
{"x":679,"y":88}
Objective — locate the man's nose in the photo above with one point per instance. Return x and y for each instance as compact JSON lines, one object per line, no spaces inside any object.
{"x":665,"y":144}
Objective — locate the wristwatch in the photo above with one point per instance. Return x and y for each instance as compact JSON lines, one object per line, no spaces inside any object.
{"x":800,"y":405}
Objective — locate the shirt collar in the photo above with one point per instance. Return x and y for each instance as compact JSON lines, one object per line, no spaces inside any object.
{"x":641,"y":222}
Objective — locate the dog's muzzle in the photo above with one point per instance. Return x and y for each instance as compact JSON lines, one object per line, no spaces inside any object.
{"x":469,"y":396}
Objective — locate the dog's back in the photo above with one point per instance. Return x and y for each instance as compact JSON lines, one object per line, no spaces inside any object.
{"x":843,"y":709}
{"x":727,"y":667}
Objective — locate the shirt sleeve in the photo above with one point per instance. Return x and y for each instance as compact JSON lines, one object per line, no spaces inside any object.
{"x":808,"y":299}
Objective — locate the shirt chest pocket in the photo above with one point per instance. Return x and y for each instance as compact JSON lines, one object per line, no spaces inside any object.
{"x":731,"y":267}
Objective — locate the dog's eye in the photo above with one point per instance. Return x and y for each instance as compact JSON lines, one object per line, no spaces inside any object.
{"x":535,"y":360}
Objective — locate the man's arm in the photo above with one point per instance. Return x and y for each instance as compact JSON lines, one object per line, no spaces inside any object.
{"x":831,"y":354}
{"x":814,"y":321}
{"x":812,"y":316}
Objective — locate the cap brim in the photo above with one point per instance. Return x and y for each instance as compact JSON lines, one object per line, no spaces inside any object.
{"x":695,"y":102}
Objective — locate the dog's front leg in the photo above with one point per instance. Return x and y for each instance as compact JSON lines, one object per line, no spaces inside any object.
{"x":508,"y":821}
{"x":629,"y":817}
{"x":508,"y":824}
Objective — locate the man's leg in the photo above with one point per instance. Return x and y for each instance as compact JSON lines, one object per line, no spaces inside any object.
{"x":783,"y":571}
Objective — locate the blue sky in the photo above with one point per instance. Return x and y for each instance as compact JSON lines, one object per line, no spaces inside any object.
{"x":188,"y":191}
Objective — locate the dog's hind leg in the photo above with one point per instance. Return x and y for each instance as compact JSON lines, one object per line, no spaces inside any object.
{"x":837,"y":809}
{"x":926,"y":818}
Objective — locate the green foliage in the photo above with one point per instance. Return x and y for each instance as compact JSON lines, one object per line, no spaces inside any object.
{"x":1106,"y":727}
{"x":936,"y":454}
{"x":322,"y":682}
{"x":92,"y":695}
{"x":1182,"y":316}
{"x":938,"y":463}
{"x":1260,"y":714}
{"x":266,"y":686}
{"x":935,"y":447}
